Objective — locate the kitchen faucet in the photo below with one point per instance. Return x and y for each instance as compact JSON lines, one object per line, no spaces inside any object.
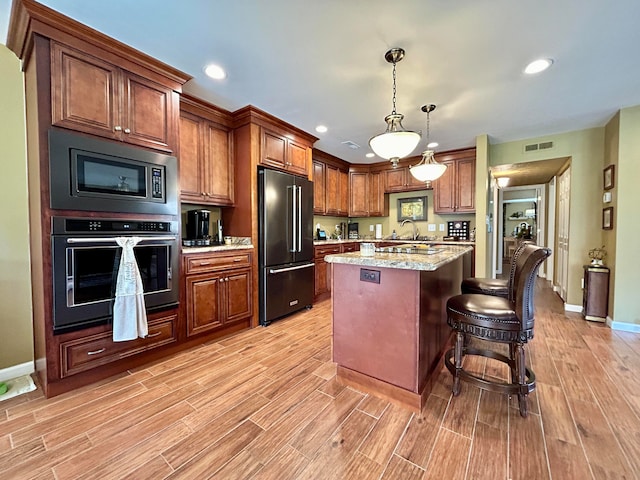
{"x":415,"y":229}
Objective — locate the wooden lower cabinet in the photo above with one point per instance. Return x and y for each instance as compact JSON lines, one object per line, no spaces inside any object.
{"x":322,"y":277}
{"x":92,"y":351}
{"x":218,"y":289}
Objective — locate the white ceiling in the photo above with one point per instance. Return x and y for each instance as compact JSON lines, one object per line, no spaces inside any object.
{"x":322,"y":62}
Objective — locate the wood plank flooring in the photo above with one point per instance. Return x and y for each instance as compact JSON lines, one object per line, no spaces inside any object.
{"x":265,"y":404}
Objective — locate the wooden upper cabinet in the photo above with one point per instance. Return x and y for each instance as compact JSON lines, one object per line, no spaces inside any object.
{"x":319,"y":204}
{"x":376,"y":195}
{"x":344,"y":192}
{"x":284,"y":153}
{"x":331,"y":184}
{"x":206,"y":157}
{"x":358,"y":194}
{"x":400,"y":179}
{"x":454,"y":191}
{"x":332,"y":190}
{"x":94,"y":96}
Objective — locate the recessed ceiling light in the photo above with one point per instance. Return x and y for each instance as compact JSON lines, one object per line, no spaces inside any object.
{"x":370,"y":155}
{"x":432,"y":145}
{"x":538,"y":66}
{"x":321,"y":129}
{"x":215,"y":71}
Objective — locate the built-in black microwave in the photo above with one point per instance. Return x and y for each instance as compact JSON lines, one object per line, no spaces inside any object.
{"x":90,"y":174}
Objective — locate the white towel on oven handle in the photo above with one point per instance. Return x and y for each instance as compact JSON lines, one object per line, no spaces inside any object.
{"x":129,"y":313}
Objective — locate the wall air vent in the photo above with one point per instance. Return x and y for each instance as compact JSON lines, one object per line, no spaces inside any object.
{"x":534,"y":147}
{"x":351,"y":144}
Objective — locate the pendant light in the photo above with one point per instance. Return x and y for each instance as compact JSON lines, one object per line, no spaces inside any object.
{"x":395,"y":142}
{"x":428,"y":169}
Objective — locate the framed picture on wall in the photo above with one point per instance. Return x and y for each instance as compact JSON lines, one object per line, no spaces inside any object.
{"x":608,"y":178}
{"x":607,"y":218}
{"x":414,"y":208}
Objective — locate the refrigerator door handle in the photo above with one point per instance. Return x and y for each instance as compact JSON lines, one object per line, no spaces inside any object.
{"x":299,"y":219}
{"x":294,"y":218}
{"x":289,"y":269}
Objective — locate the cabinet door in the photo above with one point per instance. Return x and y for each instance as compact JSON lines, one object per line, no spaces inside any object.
{"x":332,"y":188}
{"x":344,"y":192}
{"x":85,"y":93}
{"x":466,"y":182}
{"x":322,"y":283}
{"x":274,"y":149}
{"x":191,"y":169}
{"x":358,"y":194}
{"x":147,"y":114}
{"x":296,"y":160}
{"x":238,"y":295}
{"x":203,"y":303}
{"x":394,"y":180}
{"x":319,"y":204}
{"x":376,"y":194}
{"x":444,"y":189}
{"x":218,"y":160}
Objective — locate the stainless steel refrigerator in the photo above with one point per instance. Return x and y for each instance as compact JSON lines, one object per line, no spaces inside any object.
{"x":285,"y":244}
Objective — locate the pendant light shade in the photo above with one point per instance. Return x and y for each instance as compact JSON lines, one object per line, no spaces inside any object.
{"x":428,"y":169}
{"x":395,"y":142}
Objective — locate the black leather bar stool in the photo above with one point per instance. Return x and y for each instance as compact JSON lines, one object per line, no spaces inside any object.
{"x":498,"y":319}
{"x":493,"y":286}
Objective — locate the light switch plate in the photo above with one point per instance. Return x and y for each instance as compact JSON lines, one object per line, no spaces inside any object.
{"x":371,"y":228}
{"x":432,"y":227}
{"x":606,"y":198}
{"x":442,"y":227}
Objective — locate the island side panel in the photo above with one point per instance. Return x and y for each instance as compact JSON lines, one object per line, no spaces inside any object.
{"x":435,"y":289}
{"x":375,"y":326}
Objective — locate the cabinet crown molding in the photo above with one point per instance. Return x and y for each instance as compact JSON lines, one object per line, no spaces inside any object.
{"x":29,"y":17}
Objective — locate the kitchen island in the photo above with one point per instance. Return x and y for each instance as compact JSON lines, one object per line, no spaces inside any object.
{"x":389,"y":318}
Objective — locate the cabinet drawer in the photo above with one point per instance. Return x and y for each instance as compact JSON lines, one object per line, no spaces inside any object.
{"x":213,"y":262}
{"x":321,"y":251}
{"x":350,"y":247}
{"x":90,"y":352}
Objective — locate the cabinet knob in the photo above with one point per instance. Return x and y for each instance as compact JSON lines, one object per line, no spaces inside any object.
{"x":117,"y":128}
{"x":127,"y":130}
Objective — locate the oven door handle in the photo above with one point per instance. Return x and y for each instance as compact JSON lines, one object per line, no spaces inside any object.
{"x":113,"y":239}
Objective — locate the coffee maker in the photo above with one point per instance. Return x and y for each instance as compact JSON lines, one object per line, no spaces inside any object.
{"x":198,"y":232}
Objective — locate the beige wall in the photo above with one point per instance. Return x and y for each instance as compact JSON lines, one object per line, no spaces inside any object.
{"x":15,"y":277}
{"x":586,"y":149}
{"x":627,"y":271}
{"x":611,"y":143}
{"x":483,"y":262}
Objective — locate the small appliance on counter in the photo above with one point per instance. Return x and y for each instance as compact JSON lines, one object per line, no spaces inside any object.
{"x":353,"y":230}
{"x":457,"y":230}
{"x":198,"y":231}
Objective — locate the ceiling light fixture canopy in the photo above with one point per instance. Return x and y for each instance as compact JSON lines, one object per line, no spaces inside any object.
{"x":428,"y":169}
{"x":395,"y":142}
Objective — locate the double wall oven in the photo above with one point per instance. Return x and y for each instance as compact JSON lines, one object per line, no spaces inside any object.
{"x":93,"y":175}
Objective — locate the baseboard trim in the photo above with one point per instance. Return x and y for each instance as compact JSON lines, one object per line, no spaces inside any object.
{"x":16,"y":371}
{"x":572,"y":308}
{"x":623,"y":326}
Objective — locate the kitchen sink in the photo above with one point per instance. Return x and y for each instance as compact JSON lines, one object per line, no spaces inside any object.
{"x":411,"y":248}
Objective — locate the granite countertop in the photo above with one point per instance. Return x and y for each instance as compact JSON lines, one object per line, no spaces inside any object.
{"x":237,"y":243}
{"x":398,"y":241}
{"x":403,"y":261}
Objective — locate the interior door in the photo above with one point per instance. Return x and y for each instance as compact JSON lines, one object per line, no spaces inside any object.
{"x":495,"y":229}
{"x":564,"y":190}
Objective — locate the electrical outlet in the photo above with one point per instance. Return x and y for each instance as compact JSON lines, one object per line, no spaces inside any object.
{"x":371,"y":228}
{"x":432,"y":227}
{"x":442,"y":227}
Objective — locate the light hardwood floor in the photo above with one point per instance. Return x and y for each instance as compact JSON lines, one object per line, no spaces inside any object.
{"x":264,"y":404}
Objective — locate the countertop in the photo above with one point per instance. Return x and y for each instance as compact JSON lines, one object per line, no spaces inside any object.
{"x":398,"y":241}
{"x":237,"y":243}
{"x":403,"y":261}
